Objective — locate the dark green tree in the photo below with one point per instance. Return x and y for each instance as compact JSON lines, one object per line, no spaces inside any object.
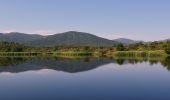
{"x":120,"y":47}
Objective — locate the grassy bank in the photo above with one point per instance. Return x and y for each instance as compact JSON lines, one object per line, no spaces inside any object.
{"x":155,"y":53}
{"x":68,"y":53}
{"x":72,"y":53}
{"x":19,"y":54}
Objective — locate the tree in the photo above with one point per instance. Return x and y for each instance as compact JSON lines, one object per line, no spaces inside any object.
{"x":87,"y":48}
{"x":11,"y":47}
{"x":120,"y":47}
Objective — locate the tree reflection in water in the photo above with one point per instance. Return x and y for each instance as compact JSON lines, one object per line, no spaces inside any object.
{"x":70,"y":65}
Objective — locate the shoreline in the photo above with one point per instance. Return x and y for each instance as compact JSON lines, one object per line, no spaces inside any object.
{"x":152,"y":54}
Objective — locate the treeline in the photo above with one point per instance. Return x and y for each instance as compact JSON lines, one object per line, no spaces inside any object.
{"x":150,"y":46}
{"x":11,"y":47}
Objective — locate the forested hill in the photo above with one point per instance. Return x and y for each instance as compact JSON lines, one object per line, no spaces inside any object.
{"x":66,"y":38}
{"x":18,"y":37}
{"x":72,"y":38}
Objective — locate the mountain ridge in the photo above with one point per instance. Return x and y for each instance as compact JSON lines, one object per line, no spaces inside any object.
{"x":59,"y":39}
{"x":18,"y":37}
{"x":65,"y":38}
{"x":73,"y":38}
{"x":126,"y":41}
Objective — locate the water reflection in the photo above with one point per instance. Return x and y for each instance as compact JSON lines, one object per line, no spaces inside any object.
{"x":16,"y":65}
{"x":166,"y":63}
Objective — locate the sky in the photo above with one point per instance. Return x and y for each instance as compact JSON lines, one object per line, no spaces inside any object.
{"x":146,"y":20}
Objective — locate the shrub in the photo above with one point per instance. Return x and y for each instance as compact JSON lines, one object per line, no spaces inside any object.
{"x":120,"y":47}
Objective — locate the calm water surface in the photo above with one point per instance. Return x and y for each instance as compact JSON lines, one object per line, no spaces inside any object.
{"x":84,"y":79}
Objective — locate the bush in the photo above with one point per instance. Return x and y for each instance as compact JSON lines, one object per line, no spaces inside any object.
{"x":120,"y":47}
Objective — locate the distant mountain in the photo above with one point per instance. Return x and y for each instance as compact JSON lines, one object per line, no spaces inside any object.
{"x":3,"y":37}
{"x":18,"y":37}
{"x":165,"y":40}
{"x":67,"y":38}
{"x":126,"y":41}
{"x":72,"y":38}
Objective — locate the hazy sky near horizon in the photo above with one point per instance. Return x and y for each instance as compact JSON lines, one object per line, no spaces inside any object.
{"x":135,"y":19}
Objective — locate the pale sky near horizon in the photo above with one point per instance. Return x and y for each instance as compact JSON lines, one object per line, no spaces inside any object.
{"x":135,"y":19}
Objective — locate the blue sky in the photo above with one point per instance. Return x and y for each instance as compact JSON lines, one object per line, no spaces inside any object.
{"x":135,"y":19}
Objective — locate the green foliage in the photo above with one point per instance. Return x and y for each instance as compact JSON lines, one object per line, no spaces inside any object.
{"x":152,"y":49}
{"x":11,"y":47}
{"x":120,"y":47}
{"x":157,"y":53}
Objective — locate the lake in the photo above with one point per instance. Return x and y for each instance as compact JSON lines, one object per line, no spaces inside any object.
{"x":84,"y":79}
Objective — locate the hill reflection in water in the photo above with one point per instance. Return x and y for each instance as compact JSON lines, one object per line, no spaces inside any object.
{"x":16,"y":65}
